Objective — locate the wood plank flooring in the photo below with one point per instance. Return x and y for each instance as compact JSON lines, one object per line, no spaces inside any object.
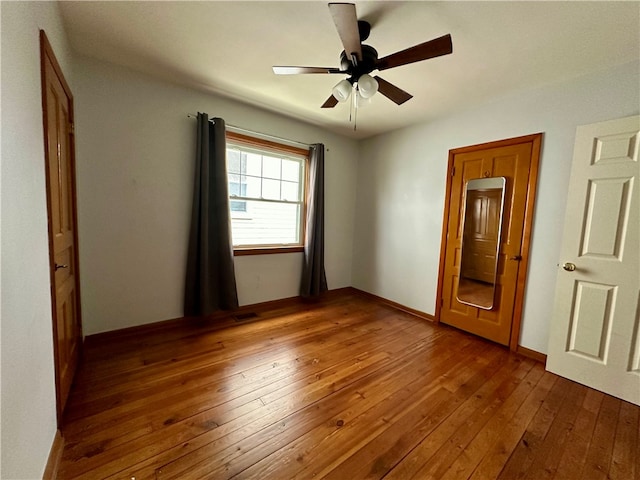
{"x":344,"y":388}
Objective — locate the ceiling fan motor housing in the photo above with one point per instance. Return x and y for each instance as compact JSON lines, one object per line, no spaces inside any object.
{"x":366,"y":65}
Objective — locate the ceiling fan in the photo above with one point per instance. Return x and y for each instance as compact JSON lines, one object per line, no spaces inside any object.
{"x":358,"y":60}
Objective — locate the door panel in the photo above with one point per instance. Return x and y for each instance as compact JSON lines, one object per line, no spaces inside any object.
{"x":60,"y":170}
{"x":595,"y":327}
{"x":607,"y":217}
{"x":514,"y":162}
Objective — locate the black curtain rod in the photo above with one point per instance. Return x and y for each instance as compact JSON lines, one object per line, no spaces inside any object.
{"x":251,"y":132}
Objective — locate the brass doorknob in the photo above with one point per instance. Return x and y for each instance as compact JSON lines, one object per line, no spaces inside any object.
{"x":569,"y":267}
{"x":516,"y":257}
{"x":61,"y":266}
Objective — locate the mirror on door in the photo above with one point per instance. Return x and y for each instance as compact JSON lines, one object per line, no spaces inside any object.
{"x":482,"y":226}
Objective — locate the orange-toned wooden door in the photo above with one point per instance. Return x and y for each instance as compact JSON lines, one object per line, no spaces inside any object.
{"x":513,"y":160}
{"x":60,"y":174}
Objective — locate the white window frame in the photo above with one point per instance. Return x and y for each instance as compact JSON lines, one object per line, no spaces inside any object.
{"x":267,"y":147}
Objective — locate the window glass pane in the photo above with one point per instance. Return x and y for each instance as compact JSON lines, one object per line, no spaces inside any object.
{"x":234,"y":188}
{"x":233,"y":161}
{"x":271,"y":189}
{"x":290,"y":191}
{"x":238,"y":205}
{"x":233,"y":178}
{"x":266,"y":223}
{"x":270,"y":167}
{"x":290,"y":170}
{"x":253,"y":164}
{"x":254,"y":185}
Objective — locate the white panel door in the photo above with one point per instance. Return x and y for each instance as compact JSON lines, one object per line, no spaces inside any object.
{"x":594,"y":335}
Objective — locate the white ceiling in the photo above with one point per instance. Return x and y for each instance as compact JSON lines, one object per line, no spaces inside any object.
{"x":229,"y":48}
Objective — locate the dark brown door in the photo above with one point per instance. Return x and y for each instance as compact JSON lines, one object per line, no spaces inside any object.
{"x":515,"y":160}
{"x":60,"y":173}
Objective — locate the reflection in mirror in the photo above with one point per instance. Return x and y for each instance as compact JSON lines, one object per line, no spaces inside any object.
{"x":481,"y":241}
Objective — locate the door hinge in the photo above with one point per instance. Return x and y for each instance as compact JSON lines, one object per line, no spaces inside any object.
{"x":453,"y":171}
{"x":72,"y":128}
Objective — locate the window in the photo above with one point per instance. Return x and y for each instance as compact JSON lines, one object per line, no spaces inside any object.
{"x":267,"y":191}
{"x":237,"y":167}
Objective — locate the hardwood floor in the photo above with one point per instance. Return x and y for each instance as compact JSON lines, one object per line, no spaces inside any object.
{"x":341,"y":389}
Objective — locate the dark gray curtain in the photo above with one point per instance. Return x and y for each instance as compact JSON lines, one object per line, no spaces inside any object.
{"x":210,"y":281}
{"x":314,"y":279}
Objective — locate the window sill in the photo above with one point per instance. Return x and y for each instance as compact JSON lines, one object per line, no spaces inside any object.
{"x":238,"y":252}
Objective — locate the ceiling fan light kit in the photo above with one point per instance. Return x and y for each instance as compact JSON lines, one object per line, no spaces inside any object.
{"x":342,"y":90}
{"x":367,"y":85}
{"x":357,"y":60}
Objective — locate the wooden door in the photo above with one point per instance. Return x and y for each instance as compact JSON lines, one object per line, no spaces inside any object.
{"x":595,"y":332}
{"x":60,"y":174}
{"x":516,"y":160}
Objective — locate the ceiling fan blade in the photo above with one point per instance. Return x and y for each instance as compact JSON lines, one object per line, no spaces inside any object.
{"x":344,"y":16}
{"x":392,"y":92}
{"x":330,"y":103}
{"x":279,"y":70}
{"x":432,"y":48}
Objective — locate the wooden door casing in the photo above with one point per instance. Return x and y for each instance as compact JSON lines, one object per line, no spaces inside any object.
{"x":57,"y":103}
{"x":517,"y":160}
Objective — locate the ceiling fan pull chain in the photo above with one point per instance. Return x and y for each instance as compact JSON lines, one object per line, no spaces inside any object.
{"x":355,"y":109}
{"x":351,"y":105}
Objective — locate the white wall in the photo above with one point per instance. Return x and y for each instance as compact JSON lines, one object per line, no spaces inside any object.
{"x":401,"y":187}
{"x":28,"y":388}
{"x":135,"y":154}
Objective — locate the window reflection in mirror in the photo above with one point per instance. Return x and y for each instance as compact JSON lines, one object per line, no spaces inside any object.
{"x":484,"y":201}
